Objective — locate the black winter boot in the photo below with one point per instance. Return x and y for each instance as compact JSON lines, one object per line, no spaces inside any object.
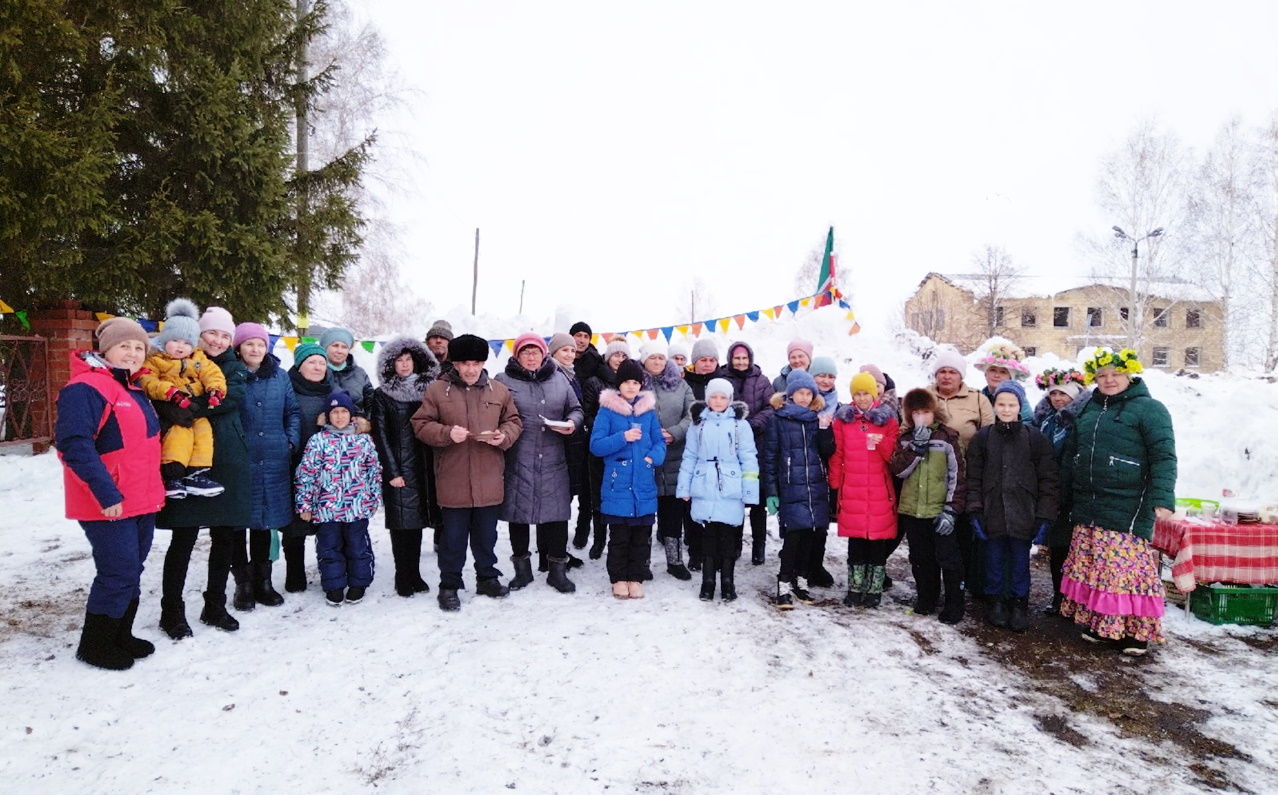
{"x":601,"y":538}
{"x":98,"y":645}
{"x":412,"y":542}
{"x":264,"y":592}
{"x":403,"y":586}
{"x":493,"y":587}
{"x":818,"y":575}
{"x":758,"y":549}
{"x":449,"y":602}
{"x":543,"y":564}
{"x":708,"y":568}
{"x":1019,"y":620}
{"x":799,"y":589}
{"x":574,"y":562}
{"x":523,"y":572}
{"x":173,"y":619}
{"x":692,"y":538}
{"x":558,"y":577}
{"x":294,"y":563}
{"x":953,"y":607}
{"x":136,"y":646}
{"x":214,"y":613}
{"x":243,"y":599}
{"x":858,"y":574}
{"x":674,"y":559}
{"x":784,"y":600}
{"x":727,"y":579}
{"x":996,"y":615}
{"x":1053,"y":608}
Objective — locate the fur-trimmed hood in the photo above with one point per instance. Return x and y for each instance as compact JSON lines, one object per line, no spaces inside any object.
{"x":424,"y":362}
{"x":738,"y":407}
{"x":425,"y":369}
{"x":779,"y":400}
{"x":879,"y":413}
{"x":669,"y":378}
{"x":612,"y":400}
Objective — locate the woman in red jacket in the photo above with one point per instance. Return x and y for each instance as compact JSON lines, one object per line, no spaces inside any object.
{"x":108,"y":439}
{"x":864,"y":437}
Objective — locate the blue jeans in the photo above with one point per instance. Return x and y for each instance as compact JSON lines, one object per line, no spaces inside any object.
{"x":1007,"y":555}
{"x":345,"y":554}
{"x":119,"y":550}
{"x":479,"y":527}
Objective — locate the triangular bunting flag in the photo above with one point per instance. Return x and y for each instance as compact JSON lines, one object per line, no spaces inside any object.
{"x":101,"y":316}
{"x":805,"y":302}
{"x":723,"y":325}
{"x":274,"y":338}
{"x":740,"y":321}
{"x":21,"y":314}
{"x":496,"y":346}
{"x":682,"y":330}
{"x":793,"y":306}
{"x":311,"y":340}
{"x":5,"y":308}
{"x":148,"y":326}
{"x":652,"y":333}
{"x":777,"y":310}
{"x":667,"y":330}
{"x":696,"y":329}
{"x":594,"y":339}
{"x":367,"y":345}
{"x":771,"y":313}
{"x":754,"y":316}
{"x":290,"y":343}
{"x":509,"y":345}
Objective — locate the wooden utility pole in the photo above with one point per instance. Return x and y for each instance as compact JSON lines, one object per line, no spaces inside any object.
{"x":474,"y":284}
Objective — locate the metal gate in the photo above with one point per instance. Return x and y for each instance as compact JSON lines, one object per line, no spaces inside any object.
{"x":26,"y":400}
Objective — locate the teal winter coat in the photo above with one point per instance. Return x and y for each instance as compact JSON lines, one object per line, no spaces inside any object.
{"x":1120,"y":462}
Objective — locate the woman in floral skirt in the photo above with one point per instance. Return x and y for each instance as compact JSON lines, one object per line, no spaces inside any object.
{"x":1120,"y":470}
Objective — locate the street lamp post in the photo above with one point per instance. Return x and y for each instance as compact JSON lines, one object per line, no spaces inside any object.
{"x":1135,"y":323}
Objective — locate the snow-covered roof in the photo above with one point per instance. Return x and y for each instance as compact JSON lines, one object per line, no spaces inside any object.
{"x":1046,"y":286}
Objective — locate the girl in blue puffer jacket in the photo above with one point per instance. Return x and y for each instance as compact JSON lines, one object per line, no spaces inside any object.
{"x":795,"y":447}
{"x":720,"y":475}
{"x":626,"y":434}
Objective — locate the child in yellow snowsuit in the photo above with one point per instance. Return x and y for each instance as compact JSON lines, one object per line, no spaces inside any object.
{"x":177,"y":372}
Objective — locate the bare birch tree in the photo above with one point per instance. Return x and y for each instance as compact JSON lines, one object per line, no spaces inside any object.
{"x":1142,"y":186}
{"x":996,"y":276}
{"x":1265,"y":202}
{"x":1222,"y":225}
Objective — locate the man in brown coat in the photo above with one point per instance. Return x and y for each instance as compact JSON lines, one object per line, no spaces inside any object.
{"x":470,"y":421}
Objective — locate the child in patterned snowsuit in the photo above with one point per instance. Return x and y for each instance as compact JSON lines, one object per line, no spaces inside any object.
{"x":338,"y":487}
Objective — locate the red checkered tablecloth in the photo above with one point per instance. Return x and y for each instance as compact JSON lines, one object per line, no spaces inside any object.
{"x":1246,"y":554}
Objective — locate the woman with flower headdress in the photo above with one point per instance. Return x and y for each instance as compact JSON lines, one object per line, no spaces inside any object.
{"x":1066,"y":393}
{"x":1120,"y":473}
{"x":1002,"y":361}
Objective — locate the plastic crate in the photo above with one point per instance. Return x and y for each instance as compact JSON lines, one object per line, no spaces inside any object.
{"x":1235,"y":604}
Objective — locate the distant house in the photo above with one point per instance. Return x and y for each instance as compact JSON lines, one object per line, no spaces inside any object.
{"x":1184,"y":325}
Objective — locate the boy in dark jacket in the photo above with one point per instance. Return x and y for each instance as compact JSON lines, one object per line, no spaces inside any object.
{"x":929,"y":460}
{"x":1012,"y":488}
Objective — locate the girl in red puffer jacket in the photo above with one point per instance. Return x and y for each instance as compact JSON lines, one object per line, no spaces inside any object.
{"x":864,"y":437}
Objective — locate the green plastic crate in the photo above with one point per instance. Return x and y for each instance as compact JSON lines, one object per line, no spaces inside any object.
{"x":1235,"y":604}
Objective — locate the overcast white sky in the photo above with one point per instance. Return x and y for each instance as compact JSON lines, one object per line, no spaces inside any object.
{"x":611,"y":151}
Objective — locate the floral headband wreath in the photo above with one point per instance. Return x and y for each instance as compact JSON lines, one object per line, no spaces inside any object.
{"x":1006,"y":356}
{"x":1051,"y":378}
{"x":1124,"y":361}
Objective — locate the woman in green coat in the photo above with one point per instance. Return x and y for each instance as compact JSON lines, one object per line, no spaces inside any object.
{"x":225,"y":515}
{"x":1120,"y":473}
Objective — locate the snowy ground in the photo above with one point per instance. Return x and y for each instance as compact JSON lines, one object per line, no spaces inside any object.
{"x":549,"y":693}
{"x":543,"y":692}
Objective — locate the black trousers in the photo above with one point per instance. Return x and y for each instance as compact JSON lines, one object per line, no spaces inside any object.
{"x":931,"y":557}
{"x":1056,"y":560}
{"x":178,"y":559}
{"x":671,"y":514}
{"x":719,"y":540}
{"x":552,"y":539}
{"x":259,"y":548}
{"x":796,"y":553}
{"x":629,"y":546}
{"x":758,"y":522}
{"x":866,"y":552}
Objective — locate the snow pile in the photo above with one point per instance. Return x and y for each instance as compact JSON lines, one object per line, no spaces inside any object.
{"x":545,"y":692}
